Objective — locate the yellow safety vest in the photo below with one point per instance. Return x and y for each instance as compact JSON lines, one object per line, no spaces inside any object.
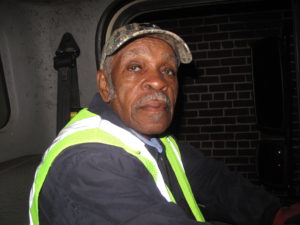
{"x":87,"y":127}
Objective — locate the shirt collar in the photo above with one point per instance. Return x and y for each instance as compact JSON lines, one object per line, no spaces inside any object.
{"x":153,"y":142}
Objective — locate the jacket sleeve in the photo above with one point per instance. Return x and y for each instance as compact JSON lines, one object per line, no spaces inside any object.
{"x":224,"y":195}
{"x":101,"y":184}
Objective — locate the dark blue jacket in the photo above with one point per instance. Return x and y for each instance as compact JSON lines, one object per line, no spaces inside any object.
{"x":101,"y":184}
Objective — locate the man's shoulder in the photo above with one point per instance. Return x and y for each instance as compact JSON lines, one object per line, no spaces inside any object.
{"x":91,"y":156}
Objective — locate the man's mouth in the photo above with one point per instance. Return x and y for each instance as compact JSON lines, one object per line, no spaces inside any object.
{"x":154,"y":106}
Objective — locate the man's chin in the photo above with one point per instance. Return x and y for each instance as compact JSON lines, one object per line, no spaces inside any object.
{"x":154,"y":129}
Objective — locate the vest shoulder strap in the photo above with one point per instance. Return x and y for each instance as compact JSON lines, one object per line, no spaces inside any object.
{"x":173,"y":155}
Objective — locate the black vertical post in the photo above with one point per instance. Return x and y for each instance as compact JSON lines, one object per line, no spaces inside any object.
{"x":67,"y":82}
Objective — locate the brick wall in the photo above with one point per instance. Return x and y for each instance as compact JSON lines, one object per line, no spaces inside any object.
{"x":217,"y":101}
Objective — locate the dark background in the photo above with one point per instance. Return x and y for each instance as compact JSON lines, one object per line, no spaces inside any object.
{"x":235,"y":107}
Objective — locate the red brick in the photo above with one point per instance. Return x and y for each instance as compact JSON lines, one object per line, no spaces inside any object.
{"x":220,"y":87}
{"x":167,"y":24}
{"x":191,"y":22}
{"x":197,"y":137}
{"x":202,"y":46}
{"x":216,"y":19}
{"x":243,"y":103}
{"x":206,"y":97}
{"x":232,"y":78}
{"x":199,"y":121}
{"x":231,"y":95}
{"x":208,"y":79}
{"x":227,"y":44}
{"x":183,"y":31}
{"x":241,"y":43}
{"x":190,"y":130}
{"x":219,"y":144}
{"x":244,"y":86}
{"x":244,"y":95}
{"x":206,"y":144}
{"x":242,"y":35}
{"x":236,"y":112}
{"x":247,"y":136}
{"x":212,"y":129}
{"x":224,"y":152}
{"x":232,"y":26}
{"x":200,"y":55}
{"x":211,"y":112}
{"x":194,"y":97}
{"x":257,"y":16}
{"x":215,"y":36}
{"x":233,"y":61}
{"x":219,"y":96}
{"x":192,"y":46}
{"x":243,"y":144}
{"x":193,"y":38}
{"x":217,"y":70}
{"x":220,"y":104}
{"x":242,"y":52}
{"x":190,"y":113}
{"x":241,"y":69}
{"x":215,"y":45}
{"x":196,"y":105}
{"x":208,"y":63}
{"x":206,"y":29}
{"x":195,"y":89}
{"x":237,"y":128}
{"x":220,"y":53}
{"x":231,"y":144}
{"x":225,"y":136}
{"x":223,"y":120}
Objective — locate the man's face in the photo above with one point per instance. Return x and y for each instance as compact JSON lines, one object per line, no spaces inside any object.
{"x":144,"y":76}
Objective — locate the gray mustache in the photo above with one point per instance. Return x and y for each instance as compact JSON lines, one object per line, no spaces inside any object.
{"x":159,"y":96}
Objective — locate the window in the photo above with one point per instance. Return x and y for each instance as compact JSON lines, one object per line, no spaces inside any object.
{"x":4,"y":102}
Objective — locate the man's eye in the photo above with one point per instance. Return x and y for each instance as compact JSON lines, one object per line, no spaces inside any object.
{"x":169,"y":71}
{"x":134,"y":68}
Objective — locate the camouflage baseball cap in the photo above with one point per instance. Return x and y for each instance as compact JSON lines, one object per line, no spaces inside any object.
{"x":133,"y":31}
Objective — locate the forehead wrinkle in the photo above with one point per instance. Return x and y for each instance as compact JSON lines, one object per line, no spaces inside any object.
{"x":137,"y":52}
{"x":170,"y":56}
{"x":133,"y":52}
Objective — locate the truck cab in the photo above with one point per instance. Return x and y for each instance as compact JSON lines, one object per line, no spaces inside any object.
{"x":238,"y":102}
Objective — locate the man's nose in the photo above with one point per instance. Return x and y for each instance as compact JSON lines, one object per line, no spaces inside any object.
{"x":155,"y":80}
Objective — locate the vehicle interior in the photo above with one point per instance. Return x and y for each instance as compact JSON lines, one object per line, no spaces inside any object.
{"x":238,"y":102}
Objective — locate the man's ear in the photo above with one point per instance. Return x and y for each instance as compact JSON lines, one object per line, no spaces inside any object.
{"x":103,"y":86}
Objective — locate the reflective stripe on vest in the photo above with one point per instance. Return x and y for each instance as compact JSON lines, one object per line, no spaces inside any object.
{"x":87,"y":127}
{"x":173,"y":155}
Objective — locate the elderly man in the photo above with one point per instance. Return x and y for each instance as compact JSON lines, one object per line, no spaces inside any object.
{"x":114,"y":163}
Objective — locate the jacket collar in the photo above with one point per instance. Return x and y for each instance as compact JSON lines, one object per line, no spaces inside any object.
{"x":99,"y":107}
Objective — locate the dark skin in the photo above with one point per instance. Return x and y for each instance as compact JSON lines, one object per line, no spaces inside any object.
{"x":144,"y":76}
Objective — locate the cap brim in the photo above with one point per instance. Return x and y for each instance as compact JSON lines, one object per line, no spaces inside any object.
{"x":177,"y":43}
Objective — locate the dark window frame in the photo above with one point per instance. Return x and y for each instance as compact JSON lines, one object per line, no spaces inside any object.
{"x":121,"y":12}
{"x":5,"y":110}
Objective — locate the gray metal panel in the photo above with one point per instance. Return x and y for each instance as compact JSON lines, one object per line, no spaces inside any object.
{"x":30,"y":32}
